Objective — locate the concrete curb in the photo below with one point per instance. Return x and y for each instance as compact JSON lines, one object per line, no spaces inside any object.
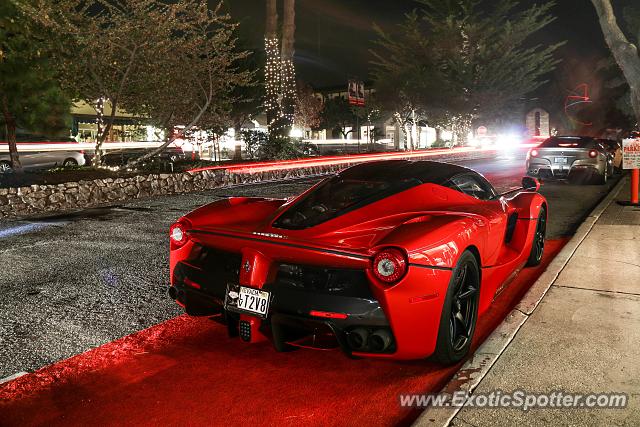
{"x":475,"y":369}
{"x":12,"y":377}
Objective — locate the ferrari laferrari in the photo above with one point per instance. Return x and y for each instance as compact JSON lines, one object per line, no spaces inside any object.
{"x":392,"y":259}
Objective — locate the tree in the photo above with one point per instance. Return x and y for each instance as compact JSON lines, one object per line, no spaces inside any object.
{"x":623,"y":50}
{"x":104,"y":49}
{"x":308,"y":108}
{"x":338,"y":115}
{"x":455,"y":62}
{"x":174,"y":63}
{"x":280,"y":75}
{"x":368,"y":115}
{"x":29,"y":95}
{"x":197,"y":84}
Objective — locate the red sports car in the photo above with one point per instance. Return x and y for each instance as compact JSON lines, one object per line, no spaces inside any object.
{"x":393,"y":259}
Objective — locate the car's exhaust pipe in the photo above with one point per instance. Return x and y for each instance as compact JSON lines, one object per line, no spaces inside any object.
{"x":380,"y":340}
{"x":357,"y":339}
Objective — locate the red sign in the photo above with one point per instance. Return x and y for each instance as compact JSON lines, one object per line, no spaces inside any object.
{"x":356,"y":93}
{"x":482,"y":131}
{"x":631,"y":154}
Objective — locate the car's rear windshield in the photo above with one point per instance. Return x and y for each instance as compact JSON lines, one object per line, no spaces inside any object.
{"x":338,"y":196}
{"x":566,"y":142}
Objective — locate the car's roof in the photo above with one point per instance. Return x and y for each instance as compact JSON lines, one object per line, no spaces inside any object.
{"x":388,"y":170}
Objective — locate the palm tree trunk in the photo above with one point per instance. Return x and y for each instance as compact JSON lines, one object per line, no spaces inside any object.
{"x":288,"y":73}
{"x":272,"y":66}
{"x":288,"y":29}
{"x":271,"y":28}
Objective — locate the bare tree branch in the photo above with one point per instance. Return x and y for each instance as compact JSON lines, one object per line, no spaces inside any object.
{"x":625,"y":52}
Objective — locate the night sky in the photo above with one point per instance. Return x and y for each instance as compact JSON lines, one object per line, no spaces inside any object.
{"x":333,"y":36}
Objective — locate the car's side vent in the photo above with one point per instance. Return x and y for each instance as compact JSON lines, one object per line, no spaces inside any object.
{"x":511,"y":227}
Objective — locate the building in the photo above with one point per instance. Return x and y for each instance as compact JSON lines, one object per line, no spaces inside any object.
{"x":126,"y":127}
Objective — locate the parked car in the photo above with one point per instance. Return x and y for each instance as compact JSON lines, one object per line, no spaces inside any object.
{"x":615,"y":149}
{"x":43,"y":160}
{"x":123,"y":156}
{"x":562,"y":157}
{"x":393,"y":259}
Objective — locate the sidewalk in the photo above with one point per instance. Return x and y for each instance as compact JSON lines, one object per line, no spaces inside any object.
{"x":583,"y":337}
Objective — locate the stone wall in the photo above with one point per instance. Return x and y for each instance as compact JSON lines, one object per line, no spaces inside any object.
{"x":37,"y":199}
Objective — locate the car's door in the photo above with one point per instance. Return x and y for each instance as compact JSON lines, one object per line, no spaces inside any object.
{"x":31,"y":159}
{"x":50,"y":159}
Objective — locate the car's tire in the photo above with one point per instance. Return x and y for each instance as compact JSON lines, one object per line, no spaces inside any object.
{"x":5,"y":167}
{"x":69,"y":162}
{"x":537,"y":245}
{"x":459,"y":312}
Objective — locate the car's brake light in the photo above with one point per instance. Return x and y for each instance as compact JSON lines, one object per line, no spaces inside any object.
{"x":593,"y":154}
{"x":534,"y":153}
{"x":389,"y":265}
{"x":178,"y":233}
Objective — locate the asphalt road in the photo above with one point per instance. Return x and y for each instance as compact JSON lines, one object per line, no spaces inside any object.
{"x":73,"y":282}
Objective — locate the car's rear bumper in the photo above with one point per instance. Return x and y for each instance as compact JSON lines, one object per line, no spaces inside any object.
{"x":296,"y":316}
{"x":547,"y":170}
{"x":408,"y":313}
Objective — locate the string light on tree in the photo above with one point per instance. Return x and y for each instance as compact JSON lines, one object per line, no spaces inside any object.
{"x":280,"y":76}
{"x":288,"y":91}
{"x":272,"y":80}
{"x":99,"y":107}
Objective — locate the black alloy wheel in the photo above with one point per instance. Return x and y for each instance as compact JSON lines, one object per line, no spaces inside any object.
{"x":70,"y":162}
{"x":462,"y":316}
{"x":537,"y":246}
{"x":460,"y":311}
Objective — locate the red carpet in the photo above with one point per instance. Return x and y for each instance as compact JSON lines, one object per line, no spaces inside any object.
{"x":187,"y":372}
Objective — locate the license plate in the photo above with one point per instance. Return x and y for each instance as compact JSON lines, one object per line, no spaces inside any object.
{"x":247,"y":300}
{"x":562,"y":160}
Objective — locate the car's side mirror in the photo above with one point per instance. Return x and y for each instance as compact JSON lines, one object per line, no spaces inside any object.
{"x":530,"y":184}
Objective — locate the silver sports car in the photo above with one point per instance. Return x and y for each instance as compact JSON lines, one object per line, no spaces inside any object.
{"x":570,"y":157}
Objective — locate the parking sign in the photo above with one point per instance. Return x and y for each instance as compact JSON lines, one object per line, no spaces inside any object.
{"x":631,"y":154}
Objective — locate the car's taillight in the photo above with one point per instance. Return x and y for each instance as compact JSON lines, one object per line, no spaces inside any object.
{"x":178,"y":234}
{"x":389,"y":265}
{"x":534,"y":153}
{"x":593,"y":154}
